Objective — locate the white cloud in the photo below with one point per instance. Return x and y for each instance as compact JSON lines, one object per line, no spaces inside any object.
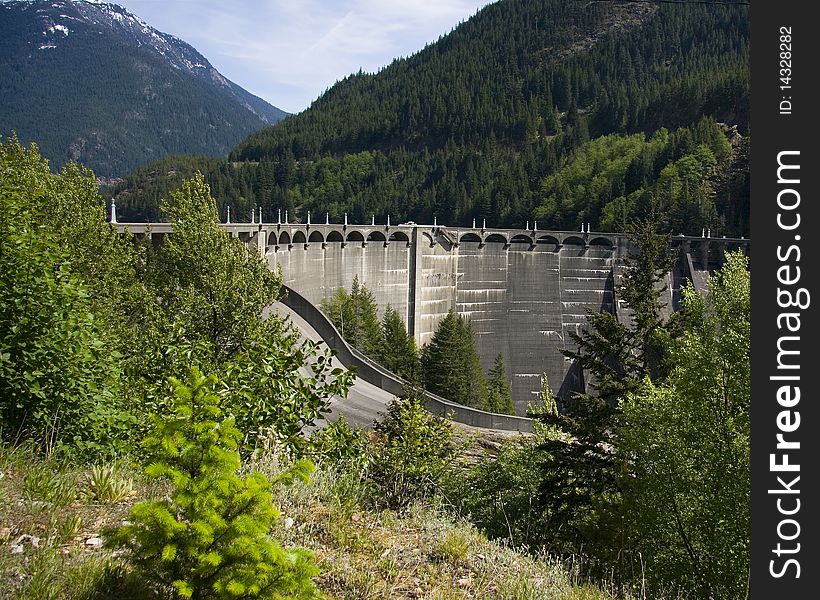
{"x":289,"y":51}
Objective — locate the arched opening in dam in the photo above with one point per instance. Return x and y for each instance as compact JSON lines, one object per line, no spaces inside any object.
{"x":547,"y":243}
{"x":521,"y":243}
{"x":355,"y":236}
{"x":495,"y":238}
{"x":573,"y":246}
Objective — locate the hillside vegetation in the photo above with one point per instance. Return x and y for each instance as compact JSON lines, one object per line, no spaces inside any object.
{"x":150,"y":376}
{"x":480,"y":123}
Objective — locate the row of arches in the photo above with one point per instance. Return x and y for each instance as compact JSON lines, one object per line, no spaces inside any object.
{"x":299,"y":237}
{"x":532,"y":241}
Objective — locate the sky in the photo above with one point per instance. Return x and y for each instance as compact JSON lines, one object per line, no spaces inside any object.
{"x":290,"y":51}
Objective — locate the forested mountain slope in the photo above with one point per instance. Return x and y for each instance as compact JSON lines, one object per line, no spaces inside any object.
{"x":483,"y":122}
{"x":91,"y":82}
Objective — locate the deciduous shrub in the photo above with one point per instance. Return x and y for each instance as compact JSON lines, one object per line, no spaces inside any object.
{"x":411,"y":452}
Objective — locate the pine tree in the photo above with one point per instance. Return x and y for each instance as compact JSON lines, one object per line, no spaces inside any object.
{"x":355,"y":315}
{"x":412,"y":450}
{"x":398,"y":351}
{"x":209,"y":538}
{"x":499,"y":391}
{"x":688,"y":442}
{"x":450,"y":363}
{"x":581,"y":487}
{"x":368,"y":335}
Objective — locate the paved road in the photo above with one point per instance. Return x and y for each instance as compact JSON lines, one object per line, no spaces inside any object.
{"x":363,"y":402}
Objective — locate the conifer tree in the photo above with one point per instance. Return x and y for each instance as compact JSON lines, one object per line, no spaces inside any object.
{"x":412,"y":450}
{"x":581,"y":485}
{"x":499,"y":391}
{"x":355,"y":315}
{"x":398,"y":352}
{"x":210,"y":537}
{"x":687,"y":437}
{"x":450,"y":363}
{"x":368,"y":337}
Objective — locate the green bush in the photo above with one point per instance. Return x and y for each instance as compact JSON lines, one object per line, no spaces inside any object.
{"x":210,"y":538}
{"x":499,"y":494}
{"x":59,"y":374}
{"x":411,"y":452}
{"x":340,"y":445}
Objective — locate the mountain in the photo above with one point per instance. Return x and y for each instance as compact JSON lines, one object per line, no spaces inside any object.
{"x":564,"y":111}
{"x":91,"y":82}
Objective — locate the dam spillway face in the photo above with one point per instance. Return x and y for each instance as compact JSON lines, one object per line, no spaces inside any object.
{"x":524,"y":291}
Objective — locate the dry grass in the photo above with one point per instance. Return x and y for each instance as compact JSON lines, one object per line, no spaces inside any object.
{"x":51,"y":516}
{"x":419,"y":554}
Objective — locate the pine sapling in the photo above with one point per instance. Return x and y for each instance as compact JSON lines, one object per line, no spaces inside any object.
{"x":210,"y":538}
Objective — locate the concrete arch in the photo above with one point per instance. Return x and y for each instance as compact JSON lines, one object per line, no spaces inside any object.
{"x":284,"y":238}
{"x":574,"y":246}
{"x":399,"y":236}
{"x":601,"y":241}
{"x":522,"y":239}
{"x":272,"y":239}
{"x":470,"y":237}
{"x":299,"y":238}
{"x":495,"y":238}
{"x":574,"y":240}
{"x":335,"y":236}
{"x":316,"y":236}
{"x":355,"y":236}
{"x":547,"y":243}
{"x":376,"y":236}
{"x":428,"y":238}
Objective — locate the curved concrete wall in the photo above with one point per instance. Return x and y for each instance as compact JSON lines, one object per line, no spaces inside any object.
{"x":379,"y":376}
{"x":523,"y":299}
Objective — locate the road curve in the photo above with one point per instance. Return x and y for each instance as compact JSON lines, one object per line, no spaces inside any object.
{"x":376,"y":386}
{"x":364,"y":402}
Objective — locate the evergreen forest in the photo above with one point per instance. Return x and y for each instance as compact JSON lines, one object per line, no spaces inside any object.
{"x":564,"y":112}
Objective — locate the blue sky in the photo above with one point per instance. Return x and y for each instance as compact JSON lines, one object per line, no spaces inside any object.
{"x":290,"y":51}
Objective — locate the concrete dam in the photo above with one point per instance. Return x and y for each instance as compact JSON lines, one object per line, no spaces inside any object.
{"x":523,"y":290}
